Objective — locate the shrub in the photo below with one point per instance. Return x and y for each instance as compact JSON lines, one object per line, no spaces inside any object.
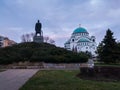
{"x":36,"y":52}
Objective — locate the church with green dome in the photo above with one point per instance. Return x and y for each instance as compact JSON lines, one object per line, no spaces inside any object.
{"x":80,"y":41}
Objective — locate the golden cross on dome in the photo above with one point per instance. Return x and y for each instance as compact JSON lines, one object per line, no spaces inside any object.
{"x":79,"y":25}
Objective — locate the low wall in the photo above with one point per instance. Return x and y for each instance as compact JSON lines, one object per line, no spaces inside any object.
{"x":43,"y":66}
{"x":61,"y":66}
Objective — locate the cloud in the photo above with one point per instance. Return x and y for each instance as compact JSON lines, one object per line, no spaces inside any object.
{"x":12,"y":32}
{"x":59,"y":17}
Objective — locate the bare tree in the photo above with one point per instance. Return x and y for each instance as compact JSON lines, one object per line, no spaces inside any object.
{"x":52,"y":41}
{"x":32,"y":35}
{"x":23,"y":38}
{"x":27,"y":37}
{"x":46,"y":38}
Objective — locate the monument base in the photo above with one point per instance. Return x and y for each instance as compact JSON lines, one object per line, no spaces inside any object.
{"x":38,"y":39}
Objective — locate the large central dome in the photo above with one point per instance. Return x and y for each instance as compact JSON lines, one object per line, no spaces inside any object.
{"x":80,"y":30}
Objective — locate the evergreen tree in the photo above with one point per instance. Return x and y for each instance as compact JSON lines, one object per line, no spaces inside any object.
{"x":99,"y":49}
{"x":107,"y":49}
{"x":118,"y":51}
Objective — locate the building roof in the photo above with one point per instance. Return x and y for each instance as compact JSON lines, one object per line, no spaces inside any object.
{"x":68,"y":42}
{"x":80,"y":30}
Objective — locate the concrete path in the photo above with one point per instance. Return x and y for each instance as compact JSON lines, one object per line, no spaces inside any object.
{"x":13,"y":79}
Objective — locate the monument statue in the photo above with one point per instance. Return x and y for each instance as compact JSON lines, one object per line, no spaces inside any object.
{"x":38,"y":27}
{"x":36,"y":38}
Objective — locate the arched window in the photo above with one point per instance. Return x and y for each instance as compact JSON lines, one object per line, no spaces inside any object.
{"x":72,"y":40}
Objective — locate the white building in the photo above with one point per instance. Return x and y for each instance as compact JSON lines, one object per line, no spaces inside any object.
{"x":1,"y":41}
{"x":81,"y":41}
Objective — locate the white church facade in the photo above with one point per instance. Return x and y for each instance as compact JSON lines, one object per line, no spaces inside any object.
{"x":80,"y":41}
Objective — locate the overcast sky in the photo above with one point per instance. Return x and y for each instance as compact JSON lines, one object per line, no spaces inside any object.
{"x":59,"y":18}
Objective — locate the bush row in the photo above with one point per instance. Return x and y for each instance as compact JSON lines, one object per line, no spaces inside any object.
{"x":35,"y":52}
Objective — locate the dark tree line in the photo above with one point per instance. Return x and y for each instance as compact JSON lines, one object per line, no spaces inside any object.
{"x":109,"y":50}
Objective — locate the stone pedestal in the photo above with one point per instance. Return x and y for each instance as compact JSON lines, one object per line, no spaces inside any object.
{"x":38,"y":39}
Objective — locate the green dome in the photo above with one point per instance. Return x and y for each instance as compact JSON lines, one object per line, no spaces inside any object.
{"x":80,"y":30}
{"x":83,"y":40}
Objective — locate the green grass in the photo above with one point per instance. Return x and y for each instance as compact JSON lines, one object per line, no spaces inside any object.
{"x":102,"y":64}
{"x":65,"y":80}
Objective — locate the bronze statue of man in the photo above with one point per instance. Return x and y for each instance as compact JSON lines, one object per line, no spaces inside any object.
{"x":38,"y":27}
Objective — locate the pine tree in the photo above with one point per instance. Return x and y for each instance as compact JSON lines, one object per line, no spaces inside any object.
{"x":99,"y":49}
{"x":108,"y":48}
{"x":118,"y":51}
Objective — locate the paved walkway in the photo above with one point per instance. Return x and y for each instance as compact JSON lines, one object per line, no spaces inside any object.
{"x":13,"y":79}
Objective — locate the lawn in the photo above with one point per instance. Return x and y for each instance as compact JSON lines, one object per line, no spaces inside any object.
{"x":65,"y":80}
{"x":106,"y":65}
{"x":103,"y":64}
